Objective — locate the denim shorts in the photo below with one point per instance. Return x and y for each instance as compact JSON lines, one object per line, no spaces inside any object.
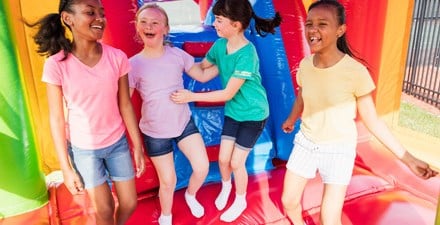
{"x":334,"y":162}
{"x":162,"y":146}
{"x":97,"y":165}
{"x":245,"y":133}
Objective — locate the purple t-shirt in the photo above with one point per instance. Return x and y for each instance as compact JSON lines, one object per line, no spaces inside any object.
{"x":155,"y":79}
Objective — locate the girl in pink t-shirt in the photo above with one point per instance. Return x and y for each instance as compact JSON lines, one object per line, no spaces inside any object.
{"x":90,"y":79}
{"x":157,"y":72}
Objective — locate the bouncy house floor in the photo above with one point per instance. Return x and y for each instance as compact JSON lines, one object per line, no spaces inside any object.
{"x":382,"y":192}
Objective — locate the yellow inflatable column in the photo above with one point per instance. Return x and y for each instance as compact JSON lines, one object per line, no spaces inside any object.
{"x":31,"y":11}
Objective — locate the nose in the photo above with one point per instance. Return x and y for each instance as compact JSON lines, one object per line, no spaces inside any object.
{"x":312,"y":28}
{"x":100,"y":17}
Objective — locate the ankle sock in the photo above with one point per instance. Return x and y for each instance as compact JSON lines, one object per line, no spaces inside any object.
{"x":236,"y":209}
{"x":165,"y":220}
{"x":222,"y":198}
{"x":196,"y":208}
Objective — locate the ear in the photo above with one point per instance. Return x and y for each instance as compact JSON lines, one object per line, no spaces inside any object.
{"x":66,"y":18}
{"x":236,"y":25}
{"x":341,"y":30}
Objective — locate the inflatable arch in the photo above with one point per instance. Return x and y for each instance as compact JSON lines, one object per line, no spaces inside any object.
{"x":382,"y":190}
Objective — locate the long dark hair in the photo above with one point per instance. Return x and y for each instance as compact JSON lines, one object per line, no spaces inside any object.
{"x":241,"y":11}
{"x":51,"y":35}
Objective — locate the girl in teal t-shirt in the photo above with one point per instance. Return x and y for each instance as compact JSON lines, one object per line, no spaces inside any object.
{"x":246,"y":108}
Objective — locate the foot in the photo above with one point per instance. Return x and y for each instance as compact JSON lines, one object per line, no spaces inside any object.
{"x":196,"y":208}
{"x":165,"y":220}
{"x":222,"y":198}
{"x":235,"y":210}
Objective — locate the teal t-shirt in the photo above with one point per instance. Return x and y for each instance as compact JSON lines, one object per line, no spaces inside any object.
{"x":250,"y":102}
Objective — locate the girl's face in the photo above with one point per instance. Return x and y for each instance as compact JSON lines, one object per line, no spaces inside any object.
{"x":322,"y":29}
{"x":87,"y":20}
{"x":152,"y":27}
{"x":225,"y":27}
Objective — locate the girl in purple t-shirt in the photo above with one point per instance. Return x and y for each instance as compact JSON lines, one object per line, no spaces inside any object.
{"x":157,"y":72}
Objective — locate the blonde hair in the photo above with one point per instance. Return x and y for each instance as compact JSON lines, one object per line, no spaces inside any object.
{"x":153,"y":6}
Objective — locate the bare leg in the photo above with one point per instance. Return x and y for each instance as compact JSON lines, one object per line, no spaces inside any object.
{"x":224,"y":161}
{"x":127,"y":199}
{"x":238,"y":167}
{"x":291,"y":197}
{"x":103,"y":203}
{"x":332,"y":203}
{"x":194,"y":149}
{"x":164,"y":165}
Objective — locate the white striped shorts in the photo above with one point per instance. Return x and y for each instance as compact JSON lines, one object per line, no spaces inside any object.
{"x":334,"y":162}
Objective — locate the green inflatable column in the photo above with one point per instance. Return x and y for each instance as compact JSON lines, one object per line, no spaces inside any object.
{"x":22,"y":184}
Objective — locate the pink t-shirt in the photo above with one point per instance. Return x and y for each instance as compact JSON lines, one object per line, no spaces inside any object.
{"x":155,"y":79}
{"x":90,"y":93}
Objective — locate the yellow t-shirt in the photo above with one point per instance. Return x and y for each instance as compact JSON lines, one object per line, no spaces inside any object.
{"x":329,"y":96}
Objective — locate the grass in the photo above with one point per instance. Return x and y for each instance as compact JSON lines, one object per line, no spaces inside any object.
{"x":419,"y":120}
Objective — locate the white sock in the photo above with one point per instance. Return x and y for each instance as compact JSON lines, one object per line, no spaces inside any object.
{"x":222,"y":198}
{"x":196,"y":208}
{"x":165,"y":220}
{"x":236,"y":209}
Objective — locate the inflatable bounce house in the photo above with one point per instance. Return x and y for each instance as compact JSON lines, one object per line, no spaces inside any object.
{"x":382,"y":190}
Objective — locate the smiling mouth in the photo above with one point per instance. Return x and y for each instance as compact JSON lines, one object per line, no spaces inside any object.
{"x":314,"y":39}
{"x":100,"y":27}
{"x":149,"y":35}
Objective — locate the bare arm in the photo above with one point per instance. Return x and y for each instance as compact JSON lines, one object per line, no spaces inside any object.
{"x":203,"y":71}
{"x":295,"y":113}
{"x":57,"y":127}
{"x":131,"y":92}
{"x":380,"y":130}
{"x":129,"y":117}
{"x":184,"y":96}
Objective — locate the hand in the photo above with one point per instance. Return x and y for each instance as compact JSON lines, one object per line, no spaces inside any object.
{"x":181,"y":96}
{"x":418,"y":167}
{"x":73,"y":182}
{"x":287,"y":126}
{"x":139,"y":161}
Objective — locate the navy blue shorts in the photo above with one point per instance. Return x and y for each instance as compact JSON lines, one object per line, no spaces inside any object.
{"x":245,"y":133}
{"x":163,"y":146}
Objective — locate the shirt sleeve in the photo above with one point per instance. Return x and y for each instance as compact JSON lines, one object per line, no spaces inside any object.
{"x":125,"y":66}
{"x":211,"y":55}
{"x":299,"y":73}
{"x":132,"y":74}
{"x":364,"y":82}
{"x":51,"y":72}
{"x":246,"y":66}
{"x":188,"y":60}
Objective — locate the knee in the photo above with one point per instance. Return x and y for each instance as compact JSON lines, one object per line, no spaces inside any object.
{"x":224,"y":162}
{"x":235,"y":165}
{"x":201,"y":170}
{"x":168,"y":184}
{"x":105,"y":212}
{"x":128,"y":205}
{"x":290,"y":201}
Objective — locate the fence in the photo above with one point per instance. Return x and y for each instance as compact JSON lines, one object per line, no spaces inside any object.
{"x":422,"y":76}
